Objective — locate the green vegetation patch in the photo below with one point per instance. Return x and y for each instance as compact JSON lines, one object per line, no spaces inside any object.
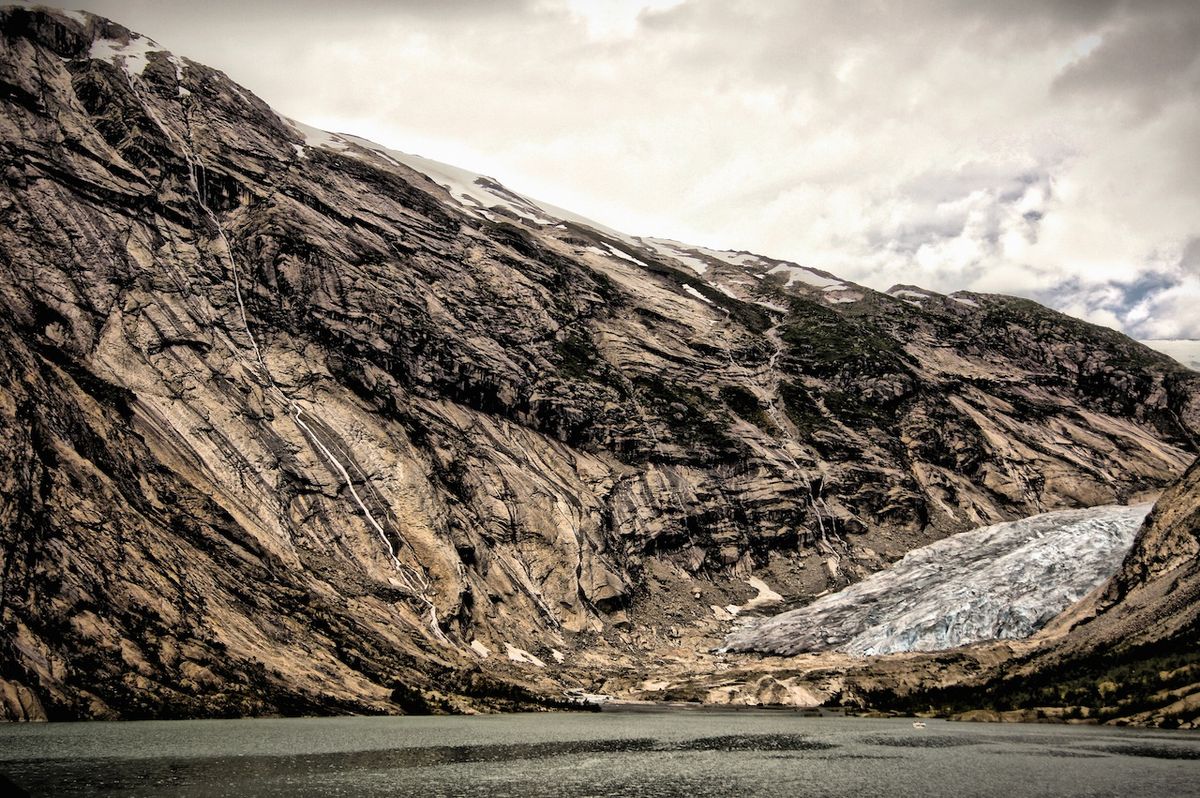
{"x":578,"y":358}
{"x":692,"y":416}
{"x":801,"y":408}
{"x":746,"y":405}
{"x":824,"y":343}
{"x":1105,"y":684}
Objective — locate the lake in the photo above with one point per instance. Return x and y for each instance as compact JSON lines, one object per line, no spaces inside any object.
{"x":682,"y":754}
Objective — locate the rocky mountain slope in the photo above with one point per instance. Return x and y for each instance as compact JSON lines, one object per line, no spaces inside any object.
{"x":290,"y":422}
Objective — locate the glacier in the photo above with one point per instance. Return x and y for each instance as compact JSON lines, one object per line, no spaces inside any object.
{"x":1003,"y":581}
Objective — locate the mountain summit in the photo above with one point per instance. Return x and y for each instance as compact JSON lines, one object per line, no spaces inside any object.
{"x":291,"y":422}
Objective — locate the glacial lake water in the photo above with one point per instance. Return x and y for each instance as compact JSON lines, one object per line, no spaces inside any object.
{"x":682,"y":754}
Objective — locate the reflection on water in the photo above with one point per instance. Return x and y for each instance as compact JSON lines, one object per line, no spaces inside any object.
{"x":670,"y":755}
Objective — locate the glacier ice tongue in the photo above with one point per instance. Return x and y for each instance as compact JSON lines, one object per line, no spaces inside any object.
{"x":1003,"y":581}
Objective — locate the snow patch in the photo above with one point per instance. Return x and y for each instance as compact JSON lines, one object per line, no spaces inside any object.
{"x":770,"y":306}
{"x":623,"y":255}
{"x":677,"y":251}
{"x":521,"y":655}
{"x":177,"y":62}
{"x":799,"y":274}
{"x":479,"y":648}
{"x":132,"y":56}
{"x":765,"y":595}
{"x":316,"y":138}
{"x":905,"y":292}
{"x":696,"y":293}
{"x":962,"y":300}
{"x":613,"y":252}
{"x":733,"y":258}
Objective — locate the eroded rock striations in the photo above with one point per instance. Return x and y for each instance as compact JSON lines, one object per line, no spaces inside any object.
{"x":290,"y":422}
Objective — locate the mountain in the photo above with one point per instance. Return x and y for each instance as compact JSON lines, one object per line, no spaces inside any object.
{"x":291,"y":422}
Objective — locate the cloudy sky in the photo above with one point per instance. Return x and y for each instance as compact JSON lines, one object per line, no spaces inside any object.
{"x":1048,"y":149}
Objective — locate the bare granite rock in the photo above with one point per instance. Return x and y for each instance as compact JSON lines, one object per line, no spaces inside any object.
{"x":293,"y":423}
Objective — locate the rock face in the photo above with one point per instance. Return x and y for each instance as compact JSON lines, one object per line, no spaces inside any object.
{"x":293,"y":423}
{"x":1003,"y":581}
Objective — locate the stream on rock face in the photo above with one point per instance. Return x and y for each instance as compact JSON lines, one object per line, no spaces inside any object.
{"x":665,"y":754}
{"x":1003,"y":581}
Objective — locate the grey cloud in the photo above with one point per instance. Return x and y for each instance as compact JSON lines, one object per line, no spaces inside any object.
{"x":1007,"y":181}
{"x":1144,"y":287}
{"x":284,"y":12}
{"x":1148,"y":60}
{"x":1140,"y":305}
{"x":909,"y":238}
{"x":1189,"y":261}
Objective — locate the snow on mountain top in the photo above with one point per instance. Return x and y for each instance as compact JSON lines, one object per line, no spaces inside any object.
{"x":473,"y":192}
{"x":131,"y":55}
{"x":317,"y":138}
{"x":908,"y":293}
{"x":83,"y":17}
{"x":623,"y":255}
{"x":478,"y":194}
{"x":739,"y":258}
{"x":678,"y":251}
{"x":1184,"y":350}
{"x":574,"y":218}
{"x":1003,"y":581}
{"x":800,"y":274}
{"x":736,"y":258}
